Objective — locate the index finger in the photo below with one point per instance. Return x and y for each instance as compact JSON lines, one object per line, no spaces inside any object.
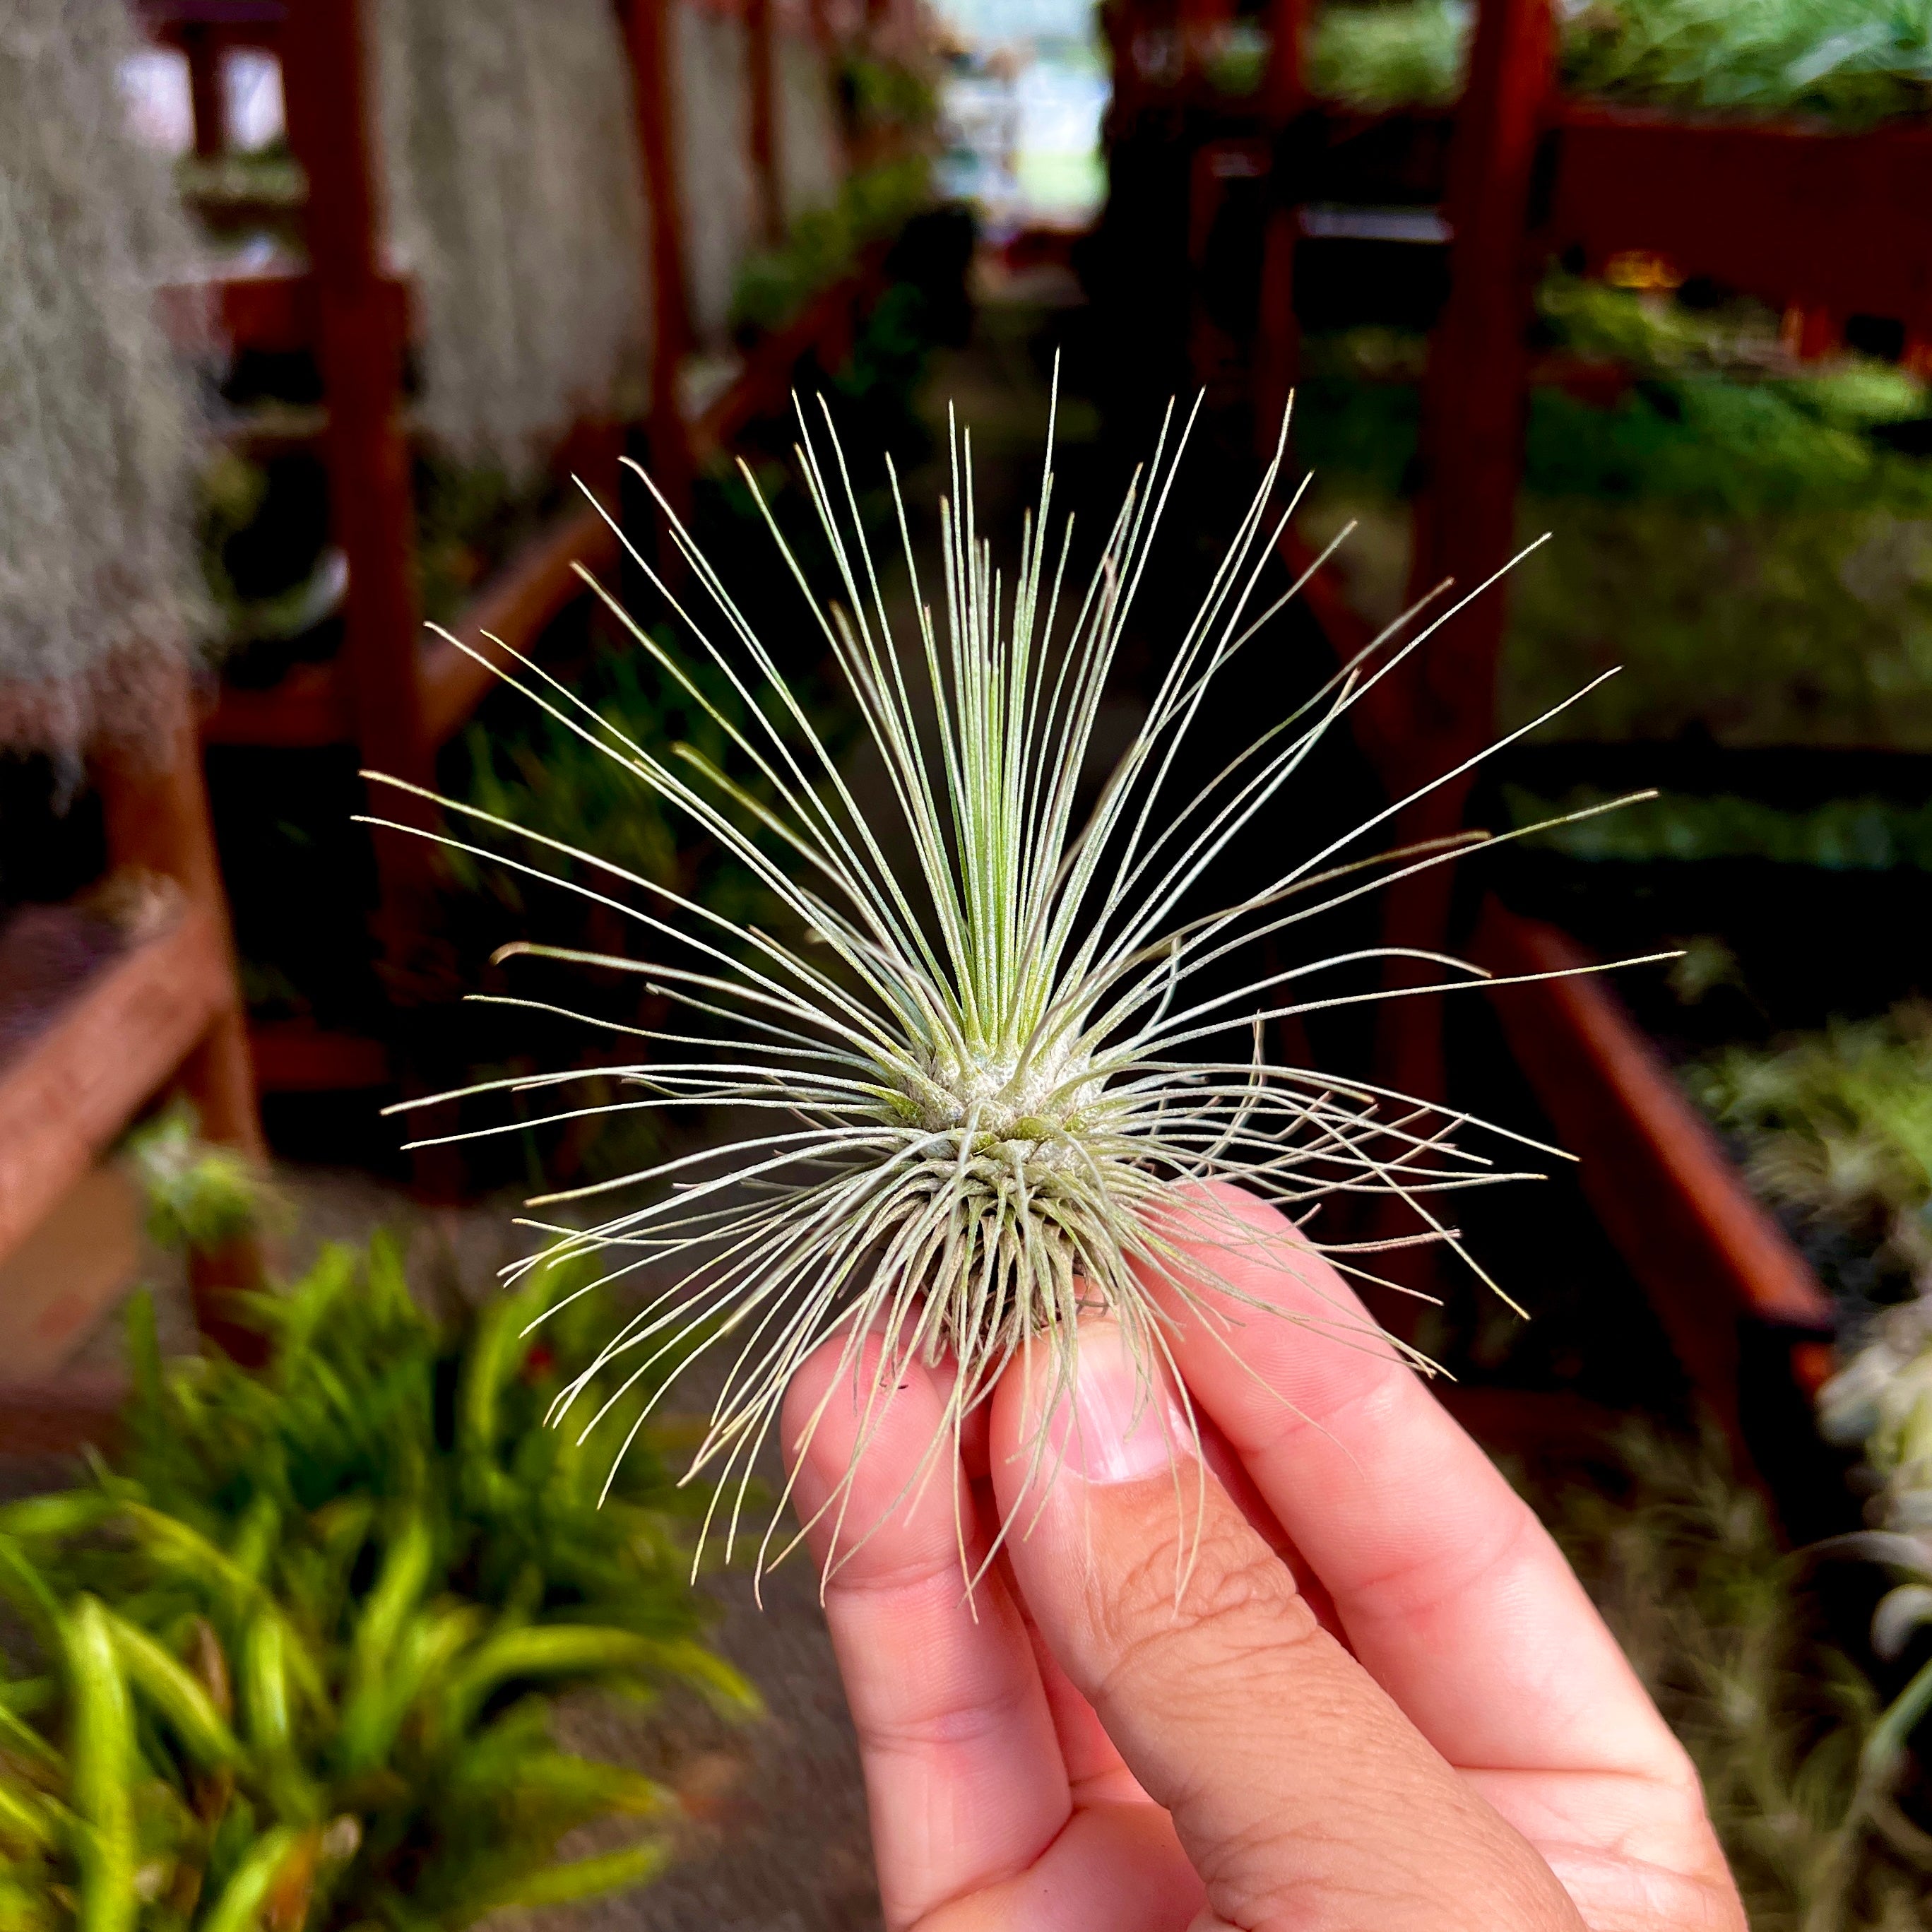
{"x":963,"y":1772}
{"x":1452,"y":1593}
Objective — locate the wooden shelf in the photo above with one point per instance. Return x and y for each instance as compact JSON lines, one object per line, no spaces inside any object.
{"x":516,"y":605}
{"x":306,"y":709}
{"x":62,"y":1416}
{"x":825,"y":327}
{"x":310,"y":707}
{"x":67,"y":1094}
{"x":163,"y":16}
{"x":298,"y":1057}
{"x":1708,"y":1255}
{"x":277,"y":312}
{"x":1841,"y":221}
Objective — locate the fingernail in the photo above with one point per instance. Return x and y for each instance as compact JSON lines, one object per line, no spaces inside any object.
{"x":1122,"y":1424}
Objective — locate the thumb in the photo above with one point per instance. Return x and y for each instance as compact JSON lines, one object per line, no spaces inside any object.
{"x":1300,"y":1793}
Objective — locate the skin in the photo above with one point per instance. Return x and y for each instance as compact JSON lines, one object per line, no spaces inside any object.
{"x":1379,"y":1701}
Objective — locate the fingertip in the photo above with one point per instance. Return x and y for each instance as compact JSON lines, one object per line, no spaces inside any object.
{"x":870,"y":1443}
{"x":1102,"y":1414}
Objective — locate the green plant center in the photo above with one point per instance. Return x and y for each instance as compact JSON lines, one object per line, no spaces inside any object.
{"x":1029,"y":1101}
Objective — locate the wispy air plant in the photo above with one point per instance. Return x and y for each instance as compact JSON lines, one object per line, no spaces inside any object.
{"x":1001,"y":1078}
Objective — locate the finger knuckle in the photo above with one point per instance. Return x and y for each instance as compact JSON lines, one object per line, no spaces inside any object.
{"x":1212,"y":1608}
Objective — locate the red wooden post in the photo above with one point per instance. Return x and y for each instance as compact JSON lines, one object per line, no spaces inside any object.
{"x":647,"y":34}
{"x":1277,"y":333}
{"x":208,"y":97}
{"x":1473,"y":397}
{"x":1473,"y":403}
{"x":1277,"y":357}
{"x":155,"y":815}
{"x":761,"y":59}
{"x":1284,"y":90}
{"x":362,"y":315}
{"x":1195,"y":22}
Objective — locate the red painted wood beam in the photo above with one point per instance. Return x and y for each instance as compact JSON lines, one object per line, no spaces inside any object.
{"x":1474,"y":398}
{"x":332,"y":129}
{"x":647,"y":36}
{"x":1707,"y":1254}
{"x":65,"y":1097}
{"x":1284,"y":89}
{"x":760,"y":59}
{"x":1838,"y":223}
{"x":516,"y":606}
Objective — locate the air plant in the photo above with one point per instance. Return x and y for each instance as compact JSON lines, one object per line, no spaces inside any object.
{"x":1000,"y":1076}
{"x":99,"y":436}
{"x":515,"y":189}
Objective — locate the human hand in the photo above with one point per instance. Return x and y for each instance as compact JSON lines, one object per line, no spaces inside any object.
{"x":1381,"y":1701}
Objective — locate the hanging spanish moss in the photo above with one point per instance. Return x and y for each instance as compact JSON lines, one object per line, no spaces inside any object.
{"x":712,"y":91}
{"x":516,"y":207}
{"x":811,"y":151}
{"x":98,"y":607}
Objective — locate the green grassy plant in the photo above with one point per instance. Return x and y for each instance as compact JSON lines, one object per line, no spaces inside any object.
{"x":1837,"y":1126}
{"x":200,"y":1197}
{"x":301,"y":1645}
{"x":1410,"y":54}
{"x":823,"y":244}
{"x":1852,"y":62}
{"x":1719,"y":1622}
{"x":889,"y":95}
{"x":1845,"y":835}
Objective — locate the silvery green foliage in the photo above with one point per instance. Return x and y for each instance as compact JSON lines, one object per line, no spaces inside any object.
{"x":98,"y":442}
{"x":516,"y":206}
{"x":998,"y":1073}
{"x":810,"y":149}
{"x":711,"y":108}
{"x":1880,"y":1402}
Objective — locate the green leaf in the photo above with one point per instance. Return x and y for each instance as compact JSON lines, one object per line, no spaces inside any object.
{"x":239,"y":1906}
{"x":176,"y":1693}
{"x":100,"y":1750}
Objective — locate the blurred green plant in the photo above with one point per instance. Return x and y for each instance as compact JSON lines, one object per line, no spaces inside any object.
{"x":1237,"y":57}
{"x":543,"y":776}
{"x":775,"y":284}
{"x":1683,"y":1561}
{"x":1853,"y":62}
{"x":888,"y":95}
{"x":1746,"y":545}
{"x":1880,"y":1401}
{"x":199,"y":1196}
{"x":1843,"y":835}
{"x":469,"y":516}
{"x":1837,"y":1127}
{"x":301,"y":1645}
{"x":1408,"y":54}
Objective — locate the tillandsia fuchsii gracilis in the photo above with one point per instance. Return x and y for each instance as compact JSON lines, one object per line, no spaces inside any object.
{"x":998,"y":1081}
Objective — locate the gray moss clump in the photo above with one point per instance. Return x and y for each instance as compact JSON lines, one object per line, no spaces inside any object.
{"x":98,"y":606}
{"x":516,"y":207}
